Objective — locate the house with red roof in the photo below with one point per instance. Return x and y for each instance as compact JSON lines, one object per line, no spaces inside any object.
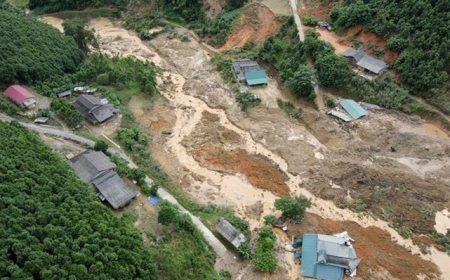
{"x":21,"y":96}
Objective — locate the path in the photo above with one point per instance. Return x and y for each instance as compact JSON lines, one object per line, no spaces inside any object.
{"x":209,"y":236}
{"x":301,"y":35}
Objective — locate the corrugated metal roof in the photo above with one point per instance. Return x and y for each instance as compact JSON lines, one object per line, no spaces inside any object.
{"x":90,"y":164}
{"x":256,"y":78}
{"x":113,"y":189}
{"x":18,"y":94}
{"x":356,"y":54}
{"x":366,"y":61}
{"x":353,"y":108}
{"x":230,"y":233}
{"x":343,"y":116}
{"x":326,"y":257}
{"x":309,"y":255}
{"x":334,"y":246}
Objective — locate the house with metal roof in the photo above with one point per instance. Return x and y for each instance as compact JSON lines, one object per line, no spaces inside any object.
{"x":230,"y":233}
{"x":96,"y":111}
{"x":355,"y":110}
{"x":365,"y":62}
{"x":91,"y":164}
{"x":327,"y":257}
{"x":63,"y":94}
{"x":248,"y":71}
{"x":96,"y":168}
{"x":21,"y":96}
{"x":113,"y":189}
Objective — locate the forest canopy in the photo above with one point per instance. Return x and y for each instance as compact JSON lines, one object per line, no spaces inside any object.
{"x":31,"y":51}
{"x":53,"y":225}
{"x":417,"y":29}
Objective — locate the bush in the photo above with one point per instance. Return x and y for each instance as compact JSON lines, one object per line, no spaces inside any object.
{"x":270,"y":219}
{"x":293,"y":207}
{"x":290,"y":109}
{"x":245,"y":251}
{"x":266,"y":232}
{"x":247,"y":100}
{"x":309,"y":21}
{"x":265,"y":261}
{"x":329,"y":101}
{"x":100,"y":145}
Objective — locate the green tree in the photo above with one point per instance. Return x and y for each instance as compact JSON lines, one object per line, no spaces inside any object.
{"x":293,"y":207}
{"x":101,"y":145}
{"x":75,"y":28}
{"x":302,"y":83}
{"x":168,"y":213}
{"x":332,"y":70}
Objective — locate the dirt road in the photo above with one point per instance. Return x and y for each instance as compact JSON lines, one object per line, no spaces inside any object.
{"x":297,"y":20}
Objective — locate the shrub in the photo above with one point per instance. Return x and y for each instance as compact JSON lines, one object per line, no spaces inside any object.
{"x":245,"y":251}
{"x":270,"y":219}
{"x":247,"y":100}
{"x":329,"y":101}
{"x":293,"y":207}
{"x":309,"y":21}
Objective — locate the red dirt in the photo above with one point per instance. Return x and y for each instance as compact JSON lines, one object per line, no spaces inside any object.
{"x":255,"y":24}
{"x":374,"y":246}
{"x":218,"y":148}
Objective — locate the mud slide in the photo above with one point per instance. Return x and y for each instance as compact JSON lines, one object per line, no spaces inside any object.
{"x":189,"y":111}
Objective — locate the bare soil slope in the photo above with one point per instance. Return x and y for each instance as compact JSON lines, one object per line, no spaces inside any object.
{"x":255,"y":24}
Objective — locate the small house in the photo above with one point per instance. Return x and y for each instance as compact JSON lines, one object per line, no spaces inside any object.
{"x":355,"y":110}
{"x":365,"y":62}
{"x":230,"y":233}
{"x":41,"y":120}
{"x":249,"y":72}
{"x":84,"y":90}
{"x":97,"y":169}
{"x":21,"y":96}
{"x":96,"y":110}
{"x":113,"y":189}
{"x":91,"y":164}
{"x":327,"y":257}
{"x":64,"y":94}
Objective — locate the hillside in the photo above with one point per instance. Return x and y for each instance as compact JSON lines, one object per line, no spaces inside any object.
{"x":55,"y":227}
{"x":31,"y":51}
{"x":417,"y":30}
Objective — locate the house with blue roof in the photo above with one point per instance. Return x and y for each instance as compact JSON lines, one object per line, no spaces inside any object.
{"x":249,"y":72}
{"x":327,"y":257}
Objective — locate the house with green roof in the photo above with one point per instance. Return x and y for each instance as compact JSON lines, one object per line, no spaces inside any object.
{"x":327,"y":257}
{"x":249,"y":72}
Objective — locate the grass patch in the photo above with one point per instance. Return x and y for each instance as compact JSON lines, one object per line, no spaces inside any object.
{"x":290,"y":109}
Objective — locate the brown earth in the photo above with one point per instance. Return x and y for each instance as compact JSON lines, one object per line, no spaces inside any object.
{"x":255,"y":24}
{"x":345,"y":163}
{"x":374,"y":246}
{"x":218,"y":148}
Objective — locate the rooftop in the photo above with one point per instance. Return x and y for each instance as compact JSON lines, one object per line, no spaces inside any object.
{"x":366,"y":61}
{"x":114,"y":189}
{"x":326,"y":257}
{"x":18,"y":94}
{"x":353,"y":109}
{"x":230,"y":233}
{"x":95,"y":109}
{"x":256,"y":78}
{"x":90,"y":164}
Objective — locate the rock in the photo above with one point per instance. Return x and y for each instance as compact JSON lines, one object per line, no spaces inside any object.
{"x":427,"y":148}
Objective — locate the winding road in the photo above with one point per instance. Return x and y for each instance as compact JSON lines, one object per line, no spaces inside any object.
{"x":218,"y":247}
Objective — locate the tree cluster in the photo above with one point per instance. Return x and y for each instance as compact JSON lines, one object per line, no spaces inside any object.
{"x":51,"y":6}
{"x":264,"y":258}
{"x":67,"y":112}
{"x":54,"y":227}
{"x":416,"y":29}
{"x":31,"y":51}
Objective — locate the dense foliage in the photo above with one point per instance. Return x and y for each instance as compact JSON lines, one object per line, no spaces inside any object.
{"x":53,"y":225}
{"x":284,"y":51}
{"x":31,"y":51}
{"x":293,"y":207}
{"x":119,"y":73}
{"x":247,"y":100}
{"x":75,"y":28}
{"x":49,"y":6}
{"x":67,"y":112}
{"x":264,"y":259}
{"x":417,"y":29}
{"x":218,"y":28}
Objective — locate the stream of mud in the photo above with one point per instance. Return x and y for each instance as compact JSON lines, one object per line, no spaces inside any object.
{"x":235,"y":188}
